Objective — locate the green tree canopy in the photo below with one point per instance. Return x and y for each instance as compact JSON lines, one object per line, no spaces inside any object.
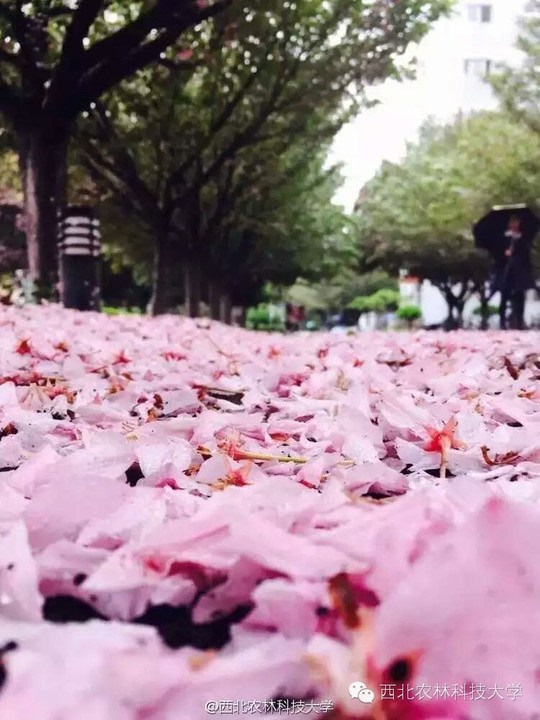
{"x":380,"y":301}
{"x":519,"y":88}
{"x":418,"y":214}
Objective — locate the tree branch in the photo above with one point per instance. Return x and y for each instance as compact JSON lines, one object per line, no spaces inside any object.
{"x":94,"y":85}
{"x":83,"y":19}
{"x":121,"y":55}
{"x":73,"y":47}
{"x":245,"y":136}
{"x":30,"y":69}
{"x":123,"y":41}
{"x":122,"y":164}
{"x":101,"y":174}
{"x":111,"y":175}
{"x":216,"y":126}
{"x":103,"y":57}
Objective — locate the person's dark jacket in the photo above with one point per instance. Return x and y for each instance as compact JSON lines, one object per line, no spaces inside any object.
{"x":515,"y":273}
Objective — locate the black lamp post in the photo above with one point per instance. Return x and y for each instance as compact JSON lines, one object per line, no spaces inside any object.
{"x":79,"y":251}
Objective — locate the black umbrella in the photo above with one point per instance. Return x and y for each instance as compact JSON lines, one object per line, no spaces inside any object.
{"x":490,"y":231}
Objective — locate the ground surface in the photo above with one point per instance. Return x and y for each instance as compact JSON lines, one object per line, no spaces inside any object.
{"x":236,"y":523}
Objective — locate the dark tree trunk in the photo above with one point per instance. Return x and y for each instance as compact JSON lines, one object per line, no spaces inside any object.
{"x":43,"y":160}
{"x":459,"y":313}
{"x":454,"y":319}
{"x":226,"y":309}
{"x":160,"y":280}
{"x":456,"y":305}
{"x":214,"y":296}
{"x":451,"y":322}
{"x":484,"y":307}
{"x":243,"y":315}
{"x":192,"y":274}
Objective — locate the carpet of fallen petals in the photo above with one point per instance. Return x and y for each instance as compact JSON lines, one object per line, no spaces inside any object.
{"x":199,"y":520}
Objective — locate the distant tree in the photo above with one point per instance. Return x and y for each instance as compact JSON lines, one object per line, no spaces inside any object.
{"x":275,"y":222}
{"x":519,"y":87}
{"x":418,"y":214}
{"x":281,"y":225}
{"x":260,"y":82}
{"x":56,"y":59}
{"x":341,"y":283}
{"x":383,"y":300}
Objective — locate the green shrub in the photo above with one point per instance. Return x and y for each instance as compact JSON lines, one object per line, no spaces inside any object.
{"x":360,"y":303}
{"x":409,"y":313}
{"x":383,"y":300}
{"x":262,"y":318}
{"x":491,"y":310}
{"x":110,"y":310}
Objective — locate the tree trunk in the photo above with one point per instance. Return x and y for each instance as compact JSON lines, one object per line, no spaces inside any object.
{"x":214,"y":300}
{"x":460,"y":305}
{"x":484,"y":309}
{"x":450,"y":323}
{"x":456,"y":305}
{"x":243,"y":316}
{"x":160,"y":280}
{"x":453,"y":321}
{"x":43,"y":160}
{"x":192,"y":274}
{"x":226,"y":309}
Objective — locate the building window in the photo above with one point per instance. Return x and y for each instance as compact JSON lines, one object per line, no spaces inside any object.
{"x":479,"y":12}
{"x":479,"y":67}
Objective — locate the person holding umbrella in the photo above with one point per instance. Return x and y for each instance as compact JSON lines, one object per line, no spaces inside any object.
{"x":507,"y":232}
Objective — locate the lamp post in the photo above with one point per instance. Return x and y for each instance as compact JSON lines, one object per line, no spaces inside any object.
{"x":79,"y":251}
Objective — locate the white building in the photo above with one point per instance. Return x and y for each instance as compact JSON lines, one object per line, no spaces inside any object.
{"x":456,"y":56}
{"x":453,"y":62}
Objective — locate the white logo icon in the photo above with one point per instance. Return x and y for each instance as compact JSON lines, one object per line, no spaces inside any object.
{"x":359,"y":691}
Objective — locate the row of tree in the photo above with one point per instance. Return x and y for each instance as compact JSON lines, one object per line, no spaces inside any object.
{"x":200,"y":129}
{"x":200,"y":126}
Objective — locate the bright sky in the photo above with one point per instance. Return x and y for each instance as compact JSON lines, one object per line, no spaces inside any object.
{"x":377,"y":134}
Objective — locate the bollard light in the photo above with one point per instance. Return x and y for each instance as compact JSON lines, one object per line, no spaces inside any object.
{"x":79,"y":252}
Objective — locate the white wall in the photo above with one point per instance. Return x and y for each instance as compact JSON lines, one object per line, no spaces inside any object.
{"x":444,"y":82}
{"x":428,"y":298}
{"x":435,"y":310}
